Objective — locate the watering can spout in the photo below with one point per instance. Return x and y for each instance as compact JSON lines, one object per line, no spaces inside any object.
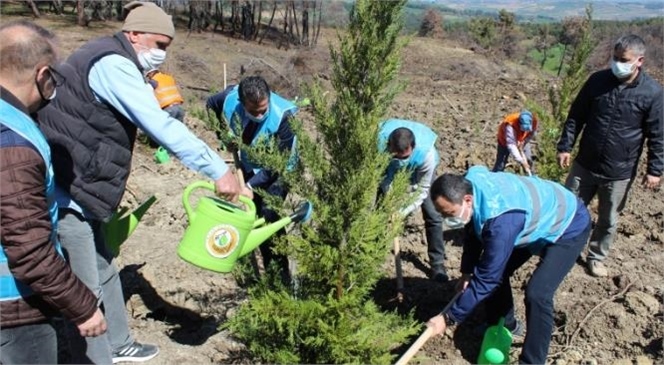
{"x":121,"y":226}
{"x":260,"y":235}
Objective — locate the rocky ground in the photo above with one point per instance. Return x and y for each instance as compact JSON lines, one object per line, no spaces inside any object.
{"x":463,"y":95}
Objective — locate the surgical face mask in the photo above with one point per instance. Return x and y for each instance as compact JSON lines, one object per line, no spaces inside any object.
{"x":457,"y":221}
{"x":622,"y":70}
{"x":254,"y":119}
{"x":151,"y":58}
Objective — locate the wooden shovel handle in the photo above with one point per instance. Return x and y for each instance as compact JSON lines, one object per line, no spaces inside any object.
{"x":397,"y":264}
{"x":424,"y":337}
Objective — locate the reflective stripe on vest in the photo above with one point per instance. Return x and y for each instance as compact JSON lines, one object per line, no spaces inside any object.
{"x":549,"y":207}
{"x":167,"y":92}
{"x":233,"y":111}
{"x":17,"y":121}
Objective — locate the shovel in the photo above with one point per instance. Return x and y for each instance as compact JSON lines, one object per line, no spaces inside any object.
{"x":399,"y":270}
{"x":118,"y":229}
{"x":523,"y":156}
{"x":424,"y":337}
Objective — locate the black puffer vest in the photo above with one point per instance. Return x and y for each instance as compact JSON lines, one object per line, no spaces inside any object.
{"x":91,"y":142}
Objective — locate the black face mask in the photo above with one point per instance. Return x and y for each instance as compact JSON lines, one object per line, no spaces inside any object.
{"x":46,"y":100}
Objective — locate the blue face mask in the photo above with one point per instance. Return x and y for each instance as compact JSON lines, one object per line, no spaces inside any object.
{"x":401,"y":162}
{"x":256,"y":119}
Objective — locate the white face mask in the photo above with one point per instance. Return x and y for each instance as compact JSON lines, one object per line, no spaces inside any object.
{"x":151,"y":58}
{"x":622,"y":70}
{"x":458,"y":221}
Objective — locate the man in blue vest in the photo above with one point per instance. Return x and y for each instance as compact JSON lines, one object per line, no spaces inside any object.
{"x":413,"y":147}
{"x":259,"y":114}
{"x":91,"y":128}
{"x":509,"y":219}
{"x":35,"y":280}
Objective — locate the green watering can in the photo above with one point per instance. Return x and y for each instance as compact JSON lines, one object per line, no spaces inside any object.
{"x":118,"y":229}
{"x":220,"y":232}
{"x":496,"y":344}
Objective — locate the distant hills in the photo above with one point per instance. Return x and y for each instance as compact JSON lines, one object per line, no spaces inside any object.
{"x":556,"y":9}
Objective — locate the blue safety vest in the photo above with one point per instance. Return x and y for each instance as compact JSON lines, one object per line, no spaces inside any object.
{"x":278,"y":107}
{"x":549,"y":207}
{"x":17,"y":121}
{"x":425,"y":141}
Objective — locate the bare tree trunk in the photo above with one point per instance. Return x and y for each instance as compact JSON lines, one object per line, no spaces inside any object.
{"x":297,"y":26}
{"x":544,"y":54}
{"x":235,"y":15}
{"x":290,"y":23}
{"x":34,"y":8}
{"x":258,"y":18}
{"x":80,"y":10}
{"x":320,"y":15}
{"x":305,"y":22}
{"x":57,"y":6}
{"x":219,"y":15}
{"x":269,"y":24}
{"x":562,"y":59}
{"x":119,"y":10}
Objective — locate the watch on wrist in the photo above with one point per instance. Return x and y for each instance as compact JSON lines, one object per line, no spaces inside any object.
{"x":448,"y":320}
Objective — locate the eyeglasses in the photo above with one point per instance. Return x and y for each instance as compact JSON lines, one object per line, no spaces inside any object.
{"x":58,"y":78}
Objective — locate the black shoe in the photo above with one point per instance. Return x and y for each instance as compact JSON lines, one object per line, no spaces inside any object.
{"x":136,"y":352}
{"x":439,"y":275}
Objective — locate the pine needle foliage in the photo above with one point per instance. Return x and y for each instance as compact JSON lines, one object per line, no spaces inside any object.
{"x":560,"y":99}
{"x":330,"y":317}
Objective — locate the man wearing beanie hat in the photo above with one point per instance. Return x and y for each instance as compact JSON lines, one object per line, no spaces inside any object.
{"x":514,"y":135}
{"x":91,"y":128}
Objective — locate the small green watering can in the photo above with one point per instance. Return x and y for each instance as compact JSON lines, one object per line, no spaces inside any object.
{"x":121,"y":226}
{"x":496,"y":344}
{"x":220,"y":232}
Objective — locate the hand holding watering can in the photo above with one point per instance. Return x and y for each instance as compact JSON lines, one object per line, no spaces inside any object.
{"x":220,"y":232}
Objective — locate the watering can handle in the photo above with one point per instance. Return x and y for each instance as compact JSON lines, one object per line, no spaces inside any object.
{"x":187,"y":191}
{"x":208,"y":186}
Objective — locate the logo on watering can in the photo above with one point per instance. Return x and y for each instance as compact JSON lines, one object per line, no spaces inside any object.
{"x":222,"y":240}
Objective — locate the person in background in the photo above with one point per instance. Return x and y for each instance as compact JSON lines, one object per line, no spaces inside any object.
{"x":167,"y":93}
{"x":514,"y":136}
{"x":91,"y":128}
{"x":617,"y":110}
{"x":36,"y":282}
{"x":413,"y":147}
{"x":509,"y":219}
{"x":258,"y":113}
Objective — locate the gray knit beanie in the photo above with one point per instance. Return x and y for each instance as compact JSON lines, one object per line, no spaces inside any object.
{"x":149,"y":18}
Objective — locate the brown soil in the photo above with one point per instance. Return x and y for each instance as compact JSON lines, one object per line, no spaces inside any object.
{"x":614,"y":320}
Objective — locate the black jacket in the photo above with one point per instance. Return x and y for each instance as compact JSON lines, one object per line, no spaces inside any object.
{"x":92,"y":142}
{"x":615,"y":121}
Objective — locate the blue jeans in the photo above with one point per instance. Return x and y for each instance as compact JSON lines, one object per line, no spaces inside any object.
{"x":503,"y":153}
{"x":611,"y":196}
{"x":84,"y":246}
{"x":29,"y":344}
{"x":556,"y":261}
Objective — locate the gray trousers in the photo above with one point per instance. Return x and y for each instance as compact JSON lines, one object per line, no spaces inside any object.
{"x":86,"y":252}
{"x":433,"y":228}
{"x":29,"y":344}
{"x":611,"y":196}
